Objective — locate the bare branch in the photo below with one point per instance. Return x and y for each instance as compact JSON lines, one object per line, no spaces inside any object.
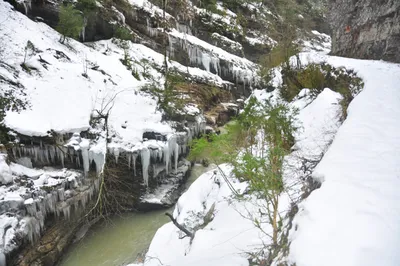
{"x":180,"y":227}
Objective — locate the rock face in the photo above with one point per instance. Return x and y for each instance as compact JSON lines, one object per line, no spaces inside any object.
{"x":366,"y":29}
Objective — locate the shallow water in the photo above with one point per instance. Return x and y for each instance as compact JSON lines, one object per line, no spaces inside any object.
{"x":119,"y":240}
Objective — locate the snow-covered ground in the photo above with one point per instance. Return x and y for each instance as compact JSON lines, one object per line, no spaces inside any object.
{"x":354,"y":218}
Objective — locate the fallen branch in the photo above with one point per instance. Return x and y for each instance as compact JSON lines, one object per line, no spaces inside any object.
{"x":180,"y":227}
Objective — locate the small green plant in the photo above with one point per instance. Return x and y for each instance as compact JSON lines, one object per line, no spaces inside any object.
{"x":86,"y":6}
{"x":146,"y":66}
{"x":29,"y":50}
{"x":123,"y":33}
{"x":70,"y":22}
{"x":126,"y":60}
{"x":169,"y":99}
{"x":135,"y":74}
{"x":12,"y":98}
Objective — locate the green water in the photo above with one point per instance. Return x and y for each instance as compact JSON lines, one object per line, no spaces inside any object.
{"x":119,"y":240}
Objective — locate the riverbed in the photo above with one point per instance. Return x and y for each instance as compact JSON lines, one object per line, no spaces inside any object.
{"x":121,"y":239}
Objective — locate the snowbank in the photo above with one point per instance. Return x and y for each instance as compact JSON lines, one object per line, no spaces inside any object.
{"x":354,"y":218}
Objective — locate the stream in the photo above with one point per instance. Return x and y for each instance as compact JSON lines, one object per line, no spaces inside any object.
{"x":119,"y":240}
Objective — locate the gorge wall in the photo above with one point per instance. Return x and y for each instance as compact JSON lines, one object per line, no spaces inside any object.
{"x":366,"y":29}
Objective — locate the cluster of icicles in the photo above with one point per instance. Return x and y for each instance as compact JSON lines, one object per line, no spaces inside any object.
{"x":59,"y":154}
{"x":156,"y":151}
{"x":210,"y":61}
{"x":57,"y":202}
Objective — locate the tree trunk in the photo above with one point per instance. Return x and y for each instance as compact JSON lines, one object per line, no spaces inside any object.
{"x":275,"y":222}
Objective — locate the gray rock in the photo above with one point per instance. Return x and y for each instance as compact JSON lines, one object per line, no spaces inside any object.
{"x":366,"y":29}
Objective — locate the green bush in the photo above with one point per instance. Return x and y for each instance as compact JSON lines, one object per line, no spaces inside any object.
{"x":86,"y":6}
{"x":70,"y":22}
{"x":317,"y":77}
{"x":123,"y":33}
{"x":168,"y":97}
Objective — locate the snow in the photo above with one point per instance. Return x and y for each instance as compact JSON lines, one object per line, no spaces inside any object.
{"x":321,"y":42}
{"x":61,"y":98}
{"x":354,"y":218}
{"x":5,"y":172}
{"x":152,"y":9}
{"x":226,"y":41}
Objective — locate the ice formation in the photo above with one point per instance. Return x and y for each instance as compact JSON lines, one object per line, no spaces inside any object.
{"x":145,"y":156}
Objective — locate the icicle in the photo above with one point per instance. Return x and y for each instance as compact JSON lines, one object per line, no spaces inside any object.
{"x":14,"y":152}
{"x":134,"y":157}
{"x":50,"y":202}
{"x":128,"y":157}
{"x":61,"y":194}
{"x":85,"y":157}
{"x":189,"y":135}
{"x":31,"y":209}
{"x":36,"y":150}
{"x":116,"y":154}
{"x":50,"y":151}
{"x":176,"y":154}
{"x":97,"y":184}
{"x":167,"y":156}
{"x":84,"y":200}
{"x":67,"y":211}
{"x":160,"y":155}
{"x":62,"y":156}
{"x":33,"y":228}
{"x":171,"y":46}
{"x":78,"y":161}
{"x":145,"y":155}
{"x":76,"y":205}
{"x":99,"y":159}
{"x":91,"y":192}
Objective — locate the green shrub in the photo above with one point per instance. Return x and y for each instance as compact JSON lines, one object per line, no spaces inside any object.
{"x":86,"y":6}
{"x":70,"y":22}
{"x":168,"y":97}
{"x":317,"y":77}
{"x":135,"y":74}
{"x":123,"y":33}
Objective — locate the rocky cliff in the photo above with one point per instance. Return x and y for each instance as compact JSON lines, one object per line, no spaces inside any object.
{"x":366,"y":29}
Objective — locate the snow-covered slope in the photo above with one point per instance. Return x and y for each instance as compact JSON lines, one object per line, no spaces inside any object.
{"x":61,"y":98}
{"x":354,"y":218}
